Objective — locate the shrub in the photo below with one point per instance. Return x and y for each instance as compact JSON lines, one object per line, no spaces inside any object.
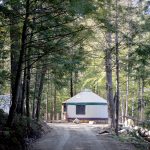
{"x":3,"y":117}
{"x":15,"y":138}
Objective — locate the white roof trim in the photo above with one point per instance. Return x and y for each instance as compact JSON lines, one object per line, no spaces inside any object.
{"x":86,"y":96}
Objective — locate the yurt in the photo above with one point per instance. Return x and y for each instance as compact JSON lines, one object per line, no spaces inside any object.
{"x":85,"y":106}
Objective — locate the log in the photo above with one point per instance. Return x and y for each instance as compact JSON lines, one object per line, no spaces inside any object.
{"x":104,"y":132}
{"x":144,"y":133}
{"x":147,"y":139}
{"x":123,"y":131}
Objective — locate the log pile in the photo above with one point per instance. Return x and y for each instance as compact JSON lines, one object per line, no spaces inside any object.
{"x":144,"y":133}
{"x":129,"y":126}
{"x":140,"y":132}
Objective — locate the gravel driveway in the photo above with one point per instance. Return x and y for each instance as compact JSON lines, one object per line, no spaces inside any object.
{"x":77,"y":137}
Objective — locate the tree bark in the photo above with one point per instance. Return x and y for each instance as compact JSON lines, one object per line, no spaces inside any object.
{"x":139,"y":98}
{"x":117,"y":68}
{"x":12,"y":111}
{"x":109,"y":84}
{"x":28,"y":87}
{"x":15,"y":48}
{"x":35,"y":93}
{"x":142,"y":100}
{"x":75,"y":82}
{"x":122,"y":106}
{"x":55,"y":98}
{"x":71,"y":84}
{"x":51,"y":101}
{"x":23,"y":93}
{"x":28,"y":69}
{"x":20,"y":99}
{"x":47,"y":101}
{"x":132,"y":107}
{"x":108,"y":69}
{"x":127,"y":93}
{"x":40,"y":93}
{"x":129,"y":48}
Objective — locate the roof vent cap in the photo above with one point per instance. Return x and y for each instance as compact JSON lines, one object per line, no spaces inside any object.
{"x":86,"y":90}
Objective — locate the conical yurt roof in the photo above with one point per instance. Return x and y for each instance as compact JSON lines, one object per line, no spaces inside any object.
{"x":86,"y":96}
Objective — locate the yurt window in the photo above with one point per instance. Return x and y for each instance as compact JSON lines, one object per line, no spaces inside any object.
{"x":80,"y":109}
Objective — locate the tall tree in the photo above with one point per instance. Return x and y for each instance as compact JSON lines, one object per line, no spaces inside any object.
{"x":117,"y":67}
{"x":19,"y":69}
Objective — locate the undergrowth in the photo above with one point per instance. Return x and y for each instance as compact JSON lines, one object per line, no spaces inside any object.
{"x":135,"y":139}
{"x":17,"y":137}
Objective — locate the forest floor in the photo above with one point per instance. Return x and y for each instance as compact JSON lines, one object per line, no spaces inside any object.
{"x":68,"y":136}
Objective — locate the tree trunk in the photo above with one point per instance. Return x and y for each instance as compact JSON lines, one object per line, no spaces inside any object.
{"x":139,"y":98}
{"x":71,"y":84}
{"x":108,"y":69}
{"x":46,"y":115}
{"x":129,"y":49}
{"x":35,"y":93}
{"x":109,"y":84}
{"x":28,"y":88}
{"x":47,"y":101}
{"x":132,"y":107}
{"x":40,"y":93}
{"x":55,"y":98}
{"x":142,"y":101}
{"x":75,"y":82}
{"x":117,"y":68}
{"x":19,"y":69}
{"x":15,"y":48}
{"x":122,"y":100}
{"x":20,"y":99}
{"x":127,"y":94}
{"x":51,"y":101}
{"x":28,"y":68}
{"x":23,"y":93}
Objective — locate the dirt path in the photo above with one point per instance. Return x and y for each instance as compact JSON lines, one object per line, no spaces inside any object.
{"x":77,"y":137}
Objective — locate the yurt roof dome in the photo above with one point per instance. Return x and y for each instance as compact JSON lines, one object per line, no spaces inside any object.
{"x":86,"y":96}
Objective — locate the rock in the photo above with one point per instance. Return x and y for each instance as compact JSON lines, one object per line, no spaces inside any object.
{"x":92,"y":122}
{"x":136,"y":128}
{"x":77,"y":121}
{"x":123,"y":131}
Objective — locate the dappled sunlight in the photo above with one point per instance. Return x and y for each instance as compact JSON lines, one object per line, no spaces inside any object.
{"x":74,"y":74}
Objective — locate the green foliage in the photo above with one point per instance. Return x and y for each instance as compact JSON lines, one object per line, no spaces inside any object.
{"x":4,"y":76}
{"x":147,"y":111}
{"x":81,"y":7}
{"x":146,"y":124}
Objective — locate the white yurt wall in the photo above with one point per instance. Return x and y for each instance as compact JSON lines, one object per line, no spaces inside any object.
{"x":91,"y":111}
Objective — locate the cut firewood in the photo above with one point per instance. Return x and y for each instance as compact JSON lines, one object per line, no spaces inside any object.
{"x":145,"y":134}
{"x":147,"y":139}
